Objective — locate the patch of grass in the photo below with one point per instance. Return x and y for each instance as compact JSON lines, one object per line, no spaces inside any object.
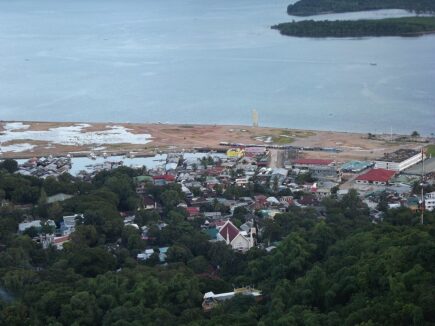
{"x":297,"y":133}
{"x":430,"y":150}
{"x":186,"y":126}
{"x":283,"y":139}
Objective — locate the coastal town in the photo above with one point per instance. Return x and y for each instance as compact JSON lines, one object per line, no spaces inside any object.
{"x":234,"y":190}
{"x":263,"y":179}
{"x":209,"y":163}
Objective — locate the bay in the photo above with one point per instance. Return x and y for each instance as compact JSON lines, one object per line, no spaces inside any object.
{"x":207,"y":61}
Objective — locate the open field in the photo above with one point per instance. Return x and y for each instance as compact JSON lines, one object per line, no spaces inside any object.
{"x":27,"y":139}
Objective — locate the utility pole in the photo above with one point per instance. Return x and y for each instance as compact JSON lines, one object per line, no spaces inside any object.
{"x":422,"y":187}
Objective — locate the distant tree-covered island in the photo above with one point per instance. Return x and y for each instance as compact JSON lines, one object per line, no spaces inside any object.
{"x":406,"y":26}
{"x":316,"y":7}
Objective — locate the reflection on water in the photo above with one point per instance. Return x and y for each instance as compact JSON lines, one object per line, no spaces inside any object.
{"x":87,"y":164}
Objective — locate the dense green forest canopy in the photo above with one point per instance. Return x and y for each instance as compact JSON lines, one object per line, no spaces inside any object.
{"x":337,"y":268}
{"x":407,"y":26}
{"x":316,"y":7}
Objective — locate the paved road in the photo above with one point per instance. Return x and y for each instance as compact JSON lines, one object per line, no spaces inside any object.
{"x":276,"y":158}
{"x":429,"y":166}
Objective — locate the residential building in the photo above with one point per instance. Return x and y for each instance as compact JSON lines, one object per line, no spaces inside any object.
{"x":356,"y":166}
{"x":48,"y":240}
{"x":325,"y":173}
{"x":68,"y":225}
{"x":305,"y":163}
{"x":235,"y":153}
{"x":376,"y":177}
{"x":149,"y":203}
{"x":193,"y":212}
{"x":58,"y":197}
{"x":163,"y":180}
{"x":238,"y":240}
{"x":145,"y":255}
{"x":36,"y":224}
{"x":211,"y":299}
{"x":430,"y":201}
{"x":255,"y":151}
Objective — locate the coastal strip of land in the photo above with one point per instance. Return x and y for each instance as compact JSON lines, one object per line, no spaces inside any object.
{"x":317,"y":7}
{"x":35,"y":139}
{"x":405,"y":26}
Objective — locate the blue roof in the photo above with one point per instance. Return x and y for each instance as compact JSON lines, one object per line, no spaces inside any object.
{"x":356,"y":165}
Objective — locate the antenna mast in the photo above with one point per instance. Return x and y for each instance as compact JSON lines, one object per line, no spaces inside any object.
{"x":422,"y":187}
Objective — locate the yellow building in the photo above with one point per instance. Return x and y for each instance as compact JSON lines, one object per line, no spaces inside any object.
{"x":235,"y":152}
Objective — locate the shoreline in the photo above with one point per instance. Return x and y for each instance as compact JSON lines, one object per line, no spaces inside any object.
{"x":44,"y":138}
{"x":189,"y":125}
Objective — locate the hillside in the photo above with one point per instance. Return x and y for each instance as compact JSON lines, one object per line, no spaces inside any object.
{"x":337,"y":268}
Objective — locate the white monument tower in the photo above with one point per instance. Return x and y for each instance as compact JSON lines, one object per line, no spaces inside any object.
{"x":254,"y":118}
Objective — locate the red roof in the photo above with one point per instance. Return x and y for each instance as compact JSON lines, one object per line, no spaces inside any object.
{"x":219,"y":223}
{"x":260,"y":198}
{"x":312,"y":161}
{"x":61,"y":239}
{"x":380,"y":175}
{"x":192,"y":210}
{"x":307,"y":200}
{"x":148,"y":200}
{"x":215,"y":170}
{"x":229,"y":231}
{"x":167,"y":177}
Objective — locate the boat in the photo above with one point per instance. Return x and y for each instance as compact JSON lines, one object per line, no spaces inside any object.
{"x":373,"y":64}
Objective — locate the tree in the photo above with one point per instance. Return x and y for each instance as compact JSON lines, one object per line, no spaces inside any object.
{"x":146,"y":217}
{"x":55,"y":211}
{"x":171,"y":198}
{"x":131,"y":238}
{"x":81,"y":310}
{"x":383,"y":202}
{"x":178,"y":253}
{"x":47,"y":228}
{"x":31,"y":232}
{"x":305,"y":178}
{"x":275,"y":186}
{"x":85,"y":235}
{"x":198,"y":264}
{"x":9,"y":165}
{"x":415,"y":134}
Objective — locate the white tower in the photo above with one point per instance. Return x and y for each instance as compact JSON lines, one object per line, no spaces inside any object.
{"x":254,"y":118}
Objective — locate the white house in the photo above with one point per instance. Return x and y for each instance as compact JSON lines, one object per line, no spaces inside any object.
{"x":68,"y":225}
{"x":36,"y":224}
{"x":430,"y":201}
{"x":238,"y":240}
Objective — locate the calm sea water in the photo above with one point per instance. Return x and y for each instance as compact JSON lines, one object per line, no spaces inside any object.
{"x":206,"y":61}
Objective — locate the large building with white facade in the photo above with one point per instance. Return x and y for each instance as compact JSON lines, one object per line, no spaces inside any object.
{"x":399,"y":160}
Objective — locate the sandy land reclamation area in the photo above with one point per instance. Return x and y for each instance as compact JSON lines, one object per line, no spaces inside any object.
{"x":28,"y":139}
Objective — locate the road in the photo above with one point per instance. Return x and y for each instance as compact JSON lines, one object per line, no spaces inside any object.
{"x":276,"y":158}
{"x":429,"y":166}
